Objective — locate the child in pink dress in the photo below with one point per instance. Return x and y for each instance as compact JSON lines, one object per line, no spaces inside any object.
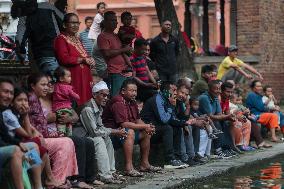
{"x":62,"y":99}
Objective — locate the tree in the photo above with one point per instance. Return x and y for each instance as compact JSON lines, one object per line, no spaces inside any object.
{"x":166,"y":10}
{"x":187,"y":18}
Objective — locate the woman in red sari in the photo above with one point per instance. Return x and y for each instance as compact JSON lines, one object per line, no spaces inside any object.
{"x":71,"y":54}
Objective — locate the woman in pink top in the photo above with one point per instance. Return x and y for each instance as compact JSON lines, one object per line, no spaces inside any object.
{"x":62,"y":99}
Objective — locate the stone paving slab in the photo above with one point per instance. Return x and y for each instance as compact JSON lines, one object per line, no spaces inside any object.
{"x":174,"y":178}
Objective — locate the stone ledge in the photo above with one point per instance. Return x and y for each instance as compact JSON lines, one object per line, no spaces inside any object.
{"x":176,"y":178}
{"x":217,"y":59}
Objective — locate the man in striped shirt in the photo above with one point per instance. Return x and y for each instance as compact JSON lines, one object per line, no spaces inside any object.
{"x":146,"y":83}
{"x":87,"y":43}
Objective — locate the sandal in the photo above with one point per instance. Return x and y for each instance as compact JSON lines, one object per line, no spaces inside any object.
{"x":265,"y":146}
{"x":133,"y":173}
{"x":151,"y":169}
{"x":98,"y":183}
{"x":118,"y":177}
{"x":82,"y":185}
{"x":65,"y":185}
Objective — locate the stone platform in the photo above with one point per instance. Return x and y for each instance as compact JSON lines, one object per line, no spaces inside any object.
{"x":180,"y":177}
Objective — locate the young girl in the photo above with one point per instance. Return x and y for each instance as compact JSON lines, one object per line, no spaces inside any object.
{"x":210,"y":128}
{"x":241,"y":128}
{"x":271,"y":103}
{"x":18,"y":123}
{"x":62,"y":99}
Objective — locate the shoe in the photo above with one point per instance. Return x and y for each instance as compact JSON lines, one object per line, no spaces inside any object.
{"x":217,"y":131}
{"x":223,"y":155}
{"x":231,"y":152}
{"x":175,"y":164}
{"x":191,"y":162}
{"x":212,"y":136}
{"x":200,"y":159}
{"x":247,"y":148}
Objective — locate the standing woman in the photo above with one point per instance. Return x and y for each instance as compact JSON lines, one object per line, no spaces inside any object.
{"x":70,"y":53}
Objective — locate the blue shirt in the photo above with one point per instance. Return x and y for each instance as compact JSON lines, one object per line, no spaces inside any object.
{"x":87,"y":43}
{"x":208,"y":105}
{"x":255,"y":104}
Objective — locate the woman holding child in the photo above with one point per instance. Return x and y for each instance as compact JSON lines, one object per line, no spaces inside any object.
{"x":46,"y":120}
{"x":257,"y":107}
{"x":61,"y":150}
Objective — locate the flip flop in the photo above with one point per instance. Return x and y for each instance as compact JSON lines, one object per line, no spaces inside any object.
{"x":65,"y":185}
{"x":152,"y":169}
{"x":265,"y":146}
{"x":98,"y":183}
{"x":134,"y":173}
{"x":82,"y":185}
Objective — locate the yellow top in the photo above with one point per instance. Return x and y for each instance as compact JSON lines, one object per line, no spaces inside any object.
{"x":226,"y":64}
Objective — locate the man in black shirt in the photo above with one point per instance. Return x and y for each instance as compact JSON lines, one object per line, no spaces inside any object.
{"x":164,"y":52}
{"x":40,"y":29}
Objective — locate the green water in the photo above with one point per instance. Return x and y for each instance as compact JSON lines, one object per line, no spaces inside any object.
{"x":264,"y":174}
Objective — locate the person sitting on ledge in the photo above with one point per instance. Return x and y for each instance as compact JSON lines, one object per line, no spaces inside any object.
{"x":122,"y":112}
{"x":232,"y":68}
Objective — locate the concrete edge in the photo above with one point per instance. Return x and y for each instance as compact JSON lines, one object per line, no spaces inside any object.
{"x":175,"y":178}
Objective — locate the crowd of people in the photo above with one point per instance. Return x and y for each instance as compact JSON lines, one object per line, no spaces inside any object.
{"x":98,"y":91}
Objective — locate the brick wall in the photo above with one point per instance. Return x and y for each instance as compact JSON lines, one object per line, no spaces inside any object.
{"x":260,"y":31}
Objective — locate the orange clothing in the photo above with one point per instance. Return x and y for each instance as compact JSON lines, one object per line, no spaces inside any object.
{"x":270,"y":120}
{"x":242,"y":134}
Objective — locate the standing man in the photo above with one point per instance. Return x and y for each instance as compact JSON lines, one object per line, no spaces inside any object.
{"x":122,"y":112}
{"x":233,"y":68}
{"x":40,"y":29}
{"x":112,"y":51}
{"x":164,"y":52}
{"x":87,"y":43}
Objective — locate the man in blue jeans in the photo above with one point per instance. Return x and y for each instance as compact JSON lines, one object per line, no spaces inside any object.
{"x":186,"y":149}
{"x":160,"y":111}
{"x":209,"y":104}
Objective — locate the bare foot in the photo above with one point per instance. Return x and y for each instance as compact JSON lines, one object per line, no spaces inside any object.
{"x":81,"y":185}
{"x":52,"y":182}
{"x":275,"y":139}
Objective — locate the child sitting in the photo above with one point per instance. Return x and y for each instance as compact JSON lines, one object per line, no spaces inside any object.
{"x":210,"y":128}
{"x":62,"y":99}
{"x":241,"y":127}
{"x":271,"y":103}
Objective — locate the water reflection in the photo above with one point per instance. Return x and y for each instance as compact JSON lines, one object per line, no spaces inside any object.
{"x":269,"y":177}
{"x":242,"y":183}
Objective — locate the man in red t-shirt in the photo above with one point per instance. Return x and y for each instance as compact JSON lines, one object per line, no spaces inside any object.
{"x":122,"y":112}
{"x":112,"y":51}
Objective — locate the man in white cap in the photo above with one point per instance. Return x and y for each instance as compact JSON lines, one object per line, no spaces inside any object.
{"x":92,"y":122}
